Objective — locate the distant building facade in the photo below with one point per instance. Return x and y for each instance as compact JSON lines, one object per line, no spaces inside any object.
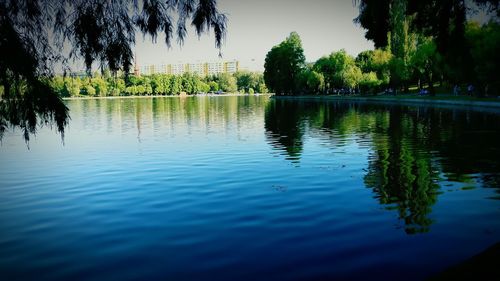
{"x":199,"y":68}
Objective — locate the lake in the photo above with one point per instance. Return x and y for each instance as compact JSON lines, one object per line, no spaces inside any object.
{"x":249,"y":188}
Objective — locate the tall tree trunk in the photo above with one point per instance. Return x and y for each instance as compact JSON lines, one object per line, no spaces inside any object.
{"x":432,"y":91}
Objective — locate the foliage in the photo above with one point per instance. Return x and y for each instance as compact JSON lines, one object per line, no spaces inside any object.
{"x":426,"y":61}
{"x":484,"y":41}
{"x":227,"y":83}
{"x":369,"y":82}
{"x":283,"y":65}
{"x":246,"y":80}
{"x":374,"y":17}
{"x":311,"y":81}
{"x":398,"y":25}
{"x":213,"y":86}
{"x":156,"y":84}
{"x":442,"y":20}
{"x":337,"y":72}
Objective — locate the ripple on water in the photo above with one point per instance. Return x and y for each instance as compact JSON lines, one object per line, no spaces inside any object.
{"x":247,"y":189}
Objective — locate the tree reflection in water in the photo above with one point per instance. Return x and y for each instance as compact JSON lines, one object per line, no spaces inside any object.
{"x":413,"y":148}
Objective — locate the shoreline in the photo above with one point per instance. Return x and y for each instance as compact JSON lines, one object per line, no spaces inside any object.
{"x":409,"y":100}
{"x":160,"y":96}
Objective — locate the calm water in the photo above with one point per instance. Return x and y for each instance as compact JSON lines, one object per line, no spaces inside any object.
{"x":249,"y":188}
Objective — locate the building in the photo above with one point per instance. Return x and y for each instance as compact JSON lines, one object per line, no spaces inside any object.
{"x":136,"y":67}
{"x":199,"y":68}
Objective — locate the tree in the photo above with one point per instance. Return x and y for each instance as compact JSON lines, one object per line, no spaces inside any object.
{"x":311,"y":82}
{"x":247,"y":80}
{"x":425,"y":61}
{"x":443,"y":21}
{"x":262,"y":89}
{"x":339,"y":70}
{"x":100,"y":86}
{"x":369,"y":81}
{"x":227,"y":83}
{"x":484,"y":41}
{"x":176,"y":85}
{"x":381,"y":65}
{"x":74,"y":87}
{"x":203,"y":87}
{"x":326,"y":66}
{"x":157,"y":85}
{"x":374,"y":17}
{"x":283,"y":64}
{"x":364,"y":61}
{"x":89,"y":90}
{"x":214,"y":87}
{"x":351,"y":76}
{"x":400,"y":43}
{"x":102,"y":31}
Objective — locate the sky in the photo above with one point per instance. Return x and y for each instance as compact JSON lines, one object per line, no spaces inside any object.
{"x":255,"y":26}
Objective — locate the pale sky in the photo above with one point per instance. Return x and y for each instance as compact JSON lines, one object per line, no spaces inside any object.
{"x":255,"y":26}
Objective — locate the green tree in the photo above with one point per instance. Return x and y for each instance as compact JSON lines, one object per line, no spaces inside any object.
{"x":375,"y":65}
{"x":369,"y":82}
{"x":283,"y":65}
{"x":120,"y":85}
{"x":401,"y":41}
{"x":484,"y":41}
{"x":227,"y":83}
{"x":57,"y":83}
{"x":148,"y":89}
{"x":327,"y":66}
{"x":100,"y":86}
{"x":89,"y":90}
{"x":176,"y":85}
{"x":351,"y":76}
{"x":364,"y":61}
{"x":140,"y":89}
{"x":262,"y":89}
{"x":246,"y":80}
{"x":311,"y":82}
{"x":203,"y":87}
{"x":131,"y":90}
{"x":213,"y":86}
{"x":157,"y":85}
{"x":243,"y":80}
{"x":167,"y":84}
{"x":425,"y":61}
{"x":339,"y":70}
{"x":74,"y":86}
{"x":442,"y":20}
{"x":380,"y":64}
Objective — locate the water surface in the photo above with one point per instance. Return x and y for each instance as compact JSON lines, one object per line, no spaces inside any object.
{"x":249,"y":188}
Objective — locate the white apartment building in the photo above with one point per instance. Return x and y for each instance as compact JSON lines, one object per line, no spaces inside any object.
{"x":199,"y":68}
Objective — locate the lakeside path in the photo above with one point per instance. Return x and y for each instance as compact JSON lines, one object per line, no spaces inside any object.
{"x":491,"y":104}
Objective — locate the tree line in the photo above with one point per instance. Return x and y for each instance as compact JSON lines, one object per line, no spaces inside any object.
{"x":408,"y":53}
{"x":105,"y":84}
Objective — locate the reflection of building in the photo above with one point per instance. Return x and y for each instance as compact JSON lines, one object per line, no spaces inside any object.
{"x":200,"y":68}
